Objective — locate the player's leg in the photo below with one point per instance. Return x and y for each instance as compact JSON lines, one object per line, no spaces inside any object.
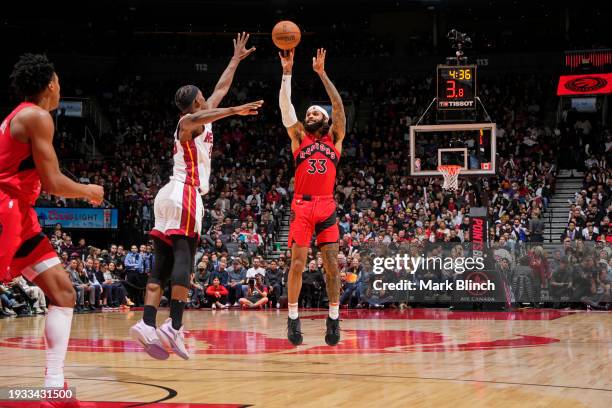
{"x":328,"y":234}
{"x":329,"y":253}
{"x":145,"y":330}
{"x":300,"y":235}
{"x":171,"y":332}
{"x":38,"y":262}
{"x":160,"y":272}
{"x":53,"y":279}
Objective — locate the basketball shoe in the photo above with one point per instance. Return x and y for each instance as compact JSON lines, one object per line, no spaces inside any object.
{"x":294,"y":331}
{"x":147,"y":336}
{"x":172,"y":338}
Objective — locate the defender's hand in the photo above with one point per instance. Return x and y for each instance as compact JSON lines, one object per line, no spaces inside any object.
{"x":240,"y":50}
{"x":249,"y":108}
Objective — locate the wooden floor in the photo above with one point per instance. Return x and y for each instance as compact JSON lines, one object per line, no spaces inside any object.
{"x":413,"y":358}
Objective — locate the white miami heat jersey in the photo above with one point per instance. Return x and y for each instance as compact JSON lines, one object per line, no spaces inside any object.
{"x":192,"y":159}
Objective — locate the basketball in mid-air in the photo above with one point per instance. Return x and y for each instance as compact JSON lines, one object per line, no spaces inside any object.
{"x":286,"y":35}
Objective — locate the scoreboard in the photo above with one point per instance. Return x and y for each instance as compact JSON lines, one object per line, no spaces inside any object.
{"x":456,"y":87}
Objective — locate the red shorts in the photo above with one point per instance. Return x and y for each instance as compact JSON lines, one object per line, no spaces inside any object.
{"x":22,"y":243}
{"x":313,"y":214}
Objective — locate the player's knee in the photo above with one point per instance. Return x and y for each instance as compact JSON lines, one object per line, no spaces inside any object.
{"x":330,"y":267}
{"x":297,"y":266}
{"x":153,"y":287}
{"x":65,"y":296}
{"x":180,"y":279}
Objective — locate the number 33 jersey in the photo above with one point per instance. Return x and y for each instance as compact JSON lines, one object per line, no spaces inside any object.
{"x":315,"y":166}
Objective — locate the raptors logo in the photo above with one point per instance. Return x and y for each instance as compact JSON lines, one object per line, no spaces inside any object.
{"x":586,"y":84}
{"x":477,"y":277}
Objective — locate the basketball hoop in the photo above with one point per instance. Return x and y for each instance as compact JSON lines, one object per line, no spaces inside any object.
{"x":451,"y":175}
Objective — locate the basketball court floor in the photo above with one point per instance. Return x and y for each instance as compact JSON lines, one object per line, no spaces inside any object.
{"x":388,"y":358}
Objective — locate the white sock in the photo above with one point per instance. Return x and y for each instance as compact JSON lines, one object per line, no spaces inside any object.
{"x":334,"y":310}
{"x":293,"y":311}
{"x":57,"y":334}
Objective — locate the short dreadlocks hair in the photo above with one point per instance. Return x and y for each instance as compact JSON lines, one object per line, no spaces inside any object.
{"x":185,"y":96}
{"x":31,"y":74}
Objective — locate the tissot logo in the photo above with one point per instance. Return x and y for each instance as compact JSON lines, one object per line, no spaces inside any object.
{"x":456,"y":104}
{"x":586,"y":84}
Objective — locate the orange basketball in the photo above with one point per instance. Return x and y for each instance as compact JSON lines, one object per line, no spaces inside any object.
{"x":286,"y":35}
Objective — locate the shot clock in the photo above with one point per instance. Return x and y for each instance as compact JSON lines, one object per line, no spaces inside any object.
{"x":456,"y":87}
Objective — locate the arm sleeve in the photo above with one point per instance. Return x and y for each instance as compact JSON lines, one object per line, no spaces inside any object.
{"x":284,"y":101}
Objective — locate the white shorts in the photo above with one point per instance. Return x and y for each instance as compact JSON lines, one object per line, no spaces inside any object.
{"x":178,"y":211}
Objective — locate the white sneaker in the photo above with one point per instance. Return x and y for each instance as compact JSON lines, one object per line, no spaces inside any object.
{"x":174,"y":339}
{"x":214,"y":307}
{"x":148,"y":338}
{"x":236,"y":304}
{"x":227,"y":305}
{"x":277,"y":305}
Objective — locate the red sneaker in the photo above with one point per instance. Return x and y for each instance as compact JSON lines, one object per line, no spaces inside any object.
{"x":61,"y":403}
{"x":73,"y":403}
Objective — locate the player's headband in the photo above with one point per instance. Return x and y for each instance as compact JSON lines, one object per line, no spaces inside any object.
{"x":320,"y":109}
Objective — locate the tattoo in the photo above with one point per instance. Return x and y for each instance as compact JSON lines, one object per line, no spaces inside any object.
{"x":338,"y":115}
{"x":332,"y":275}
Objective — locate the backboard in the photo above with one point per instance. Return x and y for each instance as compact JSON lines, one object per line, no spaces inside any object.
{"x":471,"y":146}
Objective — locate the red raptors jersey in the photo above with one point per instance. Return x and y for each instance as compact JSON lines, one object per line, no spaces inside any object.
{"x":315,"y":166}
{"x":18,"y":175}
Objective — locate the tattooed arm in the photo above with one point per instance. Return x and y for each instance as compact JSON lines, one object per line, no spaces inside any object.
{"x":338,"y":128}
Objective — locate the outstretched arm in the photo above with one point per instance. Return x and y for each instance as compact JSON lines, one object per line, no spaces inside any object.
{"x":190,"y":122}
{"x":294,"y":127}
{"x":338,"y":128}
{"x":223,"y":86}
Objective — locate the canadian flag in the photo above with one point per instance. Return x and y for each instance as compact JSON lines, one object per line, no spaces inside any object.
{"x":485,"y":166}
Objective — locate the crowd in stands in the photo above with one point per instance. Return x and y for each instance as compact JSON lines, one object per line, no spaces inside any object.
{"x":590,"y":212}
{"x":378,"y":201}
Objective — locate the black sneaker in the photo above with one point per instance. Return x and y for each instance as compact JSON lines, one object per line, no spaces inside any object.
{"x":294,"y":333}
{"x":332,"y":336}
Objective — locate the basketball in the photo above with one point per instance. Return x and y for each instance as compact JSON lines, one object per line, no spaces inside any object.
{"x":286,"y":35}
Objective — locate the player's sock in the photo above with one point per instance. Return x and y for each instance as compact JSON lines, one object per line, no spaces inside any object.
{"x":176,"y":313}
{"x":333,"y":310}
{"x":293,"y":310}
{"x":149,"y":315}
{"x":57,"y":334}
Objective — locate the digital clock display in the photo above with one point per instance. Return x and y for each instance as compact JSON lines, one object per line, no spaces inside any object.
{"x":456,"y":87}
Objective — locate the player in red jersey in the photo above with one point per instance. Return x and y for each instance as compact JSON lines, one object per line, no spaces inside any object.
{"x":27,"y":160}
{"x":316,"y":147}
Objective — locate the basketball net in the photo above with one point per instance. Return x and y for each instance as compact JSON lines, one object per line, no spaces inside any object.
{"x":451,"y":176}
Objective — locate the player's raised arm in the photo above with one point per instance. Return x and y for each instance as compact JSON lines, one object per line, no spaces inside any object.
{"x":38,"y":124}
{"x":338,"y":128}
{"x":193,"y":121}
{"x":295,"y":128}
{"x":223,"y":86}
